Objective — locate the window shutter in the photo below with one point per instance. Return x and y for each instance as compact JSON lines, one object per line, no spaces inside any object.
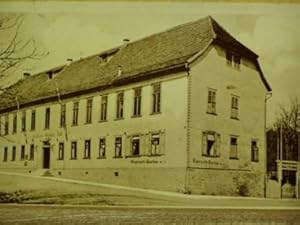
{"x":162,"y":143}
{"x":149,"y":143}
{"x":204,"y":143}
{"x":128,"y":141}
{"x":218,"y":144}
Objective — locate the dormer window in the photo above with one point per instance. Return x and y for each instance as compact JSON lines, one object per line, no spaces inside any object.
{"x":233,"y":60}
{"x":52,"y":73}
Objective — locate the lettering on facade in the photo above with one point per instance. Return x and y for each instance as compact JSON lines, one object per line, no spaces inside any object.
{"x":48,"y":135}
{"x":148,"y":161}
{"x":207,"y":162}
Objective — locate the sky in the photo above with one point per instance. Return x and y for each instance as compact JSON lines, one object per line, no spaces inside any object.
{"x":79,"y":29}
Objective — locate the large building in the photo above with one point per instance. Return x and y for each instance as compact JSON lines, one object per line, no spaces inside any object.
{"x":180,"y":110}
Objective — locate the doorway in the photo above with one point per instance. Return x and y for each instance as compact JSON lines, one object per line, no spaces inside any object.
{"x":46,"y":158}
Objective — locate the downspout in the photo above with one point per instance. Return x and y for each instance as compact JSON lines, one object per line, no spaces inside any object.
{"x":186,"y":183}
{"x":267,"y":97}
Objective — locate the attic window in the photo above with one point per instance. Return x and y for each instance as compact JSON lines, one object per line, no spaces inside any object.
{"x":233,"y":60}
{"x":53,"y":73}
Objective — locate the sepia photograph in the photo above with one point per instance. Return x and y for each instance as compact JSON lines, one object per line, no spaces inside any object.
{"x":149,"y":113}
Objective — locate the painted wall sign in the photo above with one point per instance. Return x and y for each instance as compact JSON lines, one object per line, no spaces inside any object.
{"x":207,"y":162}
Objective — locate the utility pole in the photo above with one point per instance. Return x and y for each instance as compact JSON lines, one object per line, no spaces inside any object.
{"x":298,"y":144}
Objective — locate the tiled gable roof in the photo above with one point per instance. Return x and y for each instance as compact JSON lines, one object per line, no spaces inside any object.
{"x":156,"y":52}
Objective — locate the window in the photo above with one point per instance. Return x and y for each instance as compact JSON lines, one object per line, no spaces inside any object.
{"x":229,"y":57}
{"x":63,"y":115}
{"x":210,"y":144}
{"x":23,"y":119}
{"x":135,"y":145}
{"x":102,"y":147}
{"x":236,"y":61}
{"x":47,"y":118}
{"x":156,"y":98}
{"x":6,"y":125}
{"x":137,"y":102}
{"x":118,"y":147}
{"x":233,"y":154}
{"x":22,"y":156}
{"x":5,"y":154}
{"x":103,"y":115}
{"x":211,"y":106}
{"x":75,"y":113}
{"x":15,"y":123}
{"x":73,"y":150}
{"x":233,"y":60}
{"x":254,"y":151}
{"x":61,"y":150}
{"x":31,"y":153}
{"x":89,"y":110}
{"x":234,"y":107}
{"x":87,"y":149}
{"x":33,"y":120}
{"x":155,"y":144}
{"x":13,"y":154}
{"x":120,"y":105}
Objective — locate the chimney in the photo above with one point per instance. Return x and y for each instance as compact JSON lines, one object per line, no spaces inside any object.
{"x":26,"y":74}
{"x":126,"y":41}
{"x":119,"y":71}
{"x":69,"y":61}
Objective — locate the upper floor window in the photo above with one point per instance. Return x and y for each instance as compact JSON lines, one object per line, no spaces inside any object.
{"x":137,"y":102}
{"x":63,"y":115}
{"x":61,"y":150}
{"x":254,"y":151}
{"x":75,"y":113}
{"x":5,"y":154}
{"x":89,"y":110}
{"x":47,"y":118}
{"x":23,"y":120}
{"x":31,"y":153}
{"x":102,"y":148}
{"x":103,"y":116}
{"x":6,"y":125}
{"x":73,"y":150}
{"x":233,"y":152}
{"x":22,"y":155}
{"x":211,"y":104}
{"x":211,"y":144}
{"x":15,"y":123}
{"x":13,"y":153}
{"x":156,"y":98}
{"x":33,"y":120}
{"x":118,"y":147}
{"x":87,"y":149}
{"x":234,"y":107}
{"x":120,"y":105}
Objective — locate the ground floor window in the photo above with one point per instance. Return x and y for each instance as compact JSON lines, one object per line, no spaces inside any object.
{"x":61,"y":149}
{"x":118,"y":147}
{"x":31,"y":153}
{"x":22,"y":155}
{"x":73,"y":150}
{"x":155,"y":144}
{"x":210,"y":144}
{"x":87,"y":149}
{"x":102,"y":148}
{"x":5,"y":154}
{"x":233,"y":152}
{"x":13,"y":154}
{"x":254,"y":151}
{"x":135,"y":145}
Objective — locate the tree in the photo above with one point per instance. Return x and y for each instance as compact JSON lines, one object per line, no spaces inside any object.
{"x":287,"y":123}
{"x":14,"y":49}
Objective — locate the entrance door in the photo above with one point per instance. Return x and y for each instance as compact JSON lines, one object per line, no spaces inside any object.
{"x":46,"y":161}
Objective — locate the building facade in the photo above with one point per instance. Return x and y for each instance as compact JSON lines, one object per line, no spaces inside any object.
{"x":181,"y":110}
